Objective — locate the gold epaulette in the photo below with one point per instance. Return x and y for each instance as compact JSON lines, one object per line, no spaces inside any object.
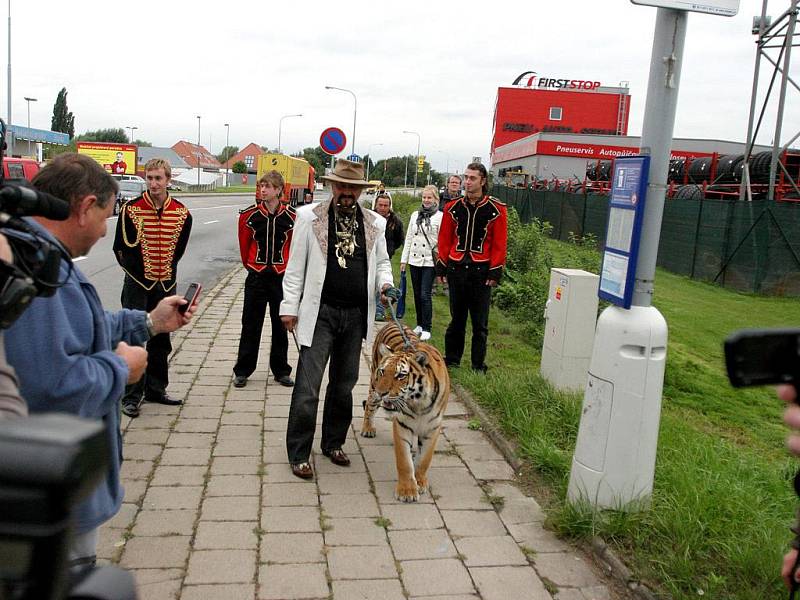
{"x":496,"y":201}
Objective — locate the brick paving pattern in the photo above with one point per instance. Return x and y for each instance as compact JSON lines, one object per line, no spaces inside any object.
{"x":212,"y":510}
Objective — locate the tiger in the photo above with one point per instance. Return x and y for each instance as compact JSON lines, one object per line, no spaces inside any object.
{"x":415,"y":379}
{"x":389,"y":335}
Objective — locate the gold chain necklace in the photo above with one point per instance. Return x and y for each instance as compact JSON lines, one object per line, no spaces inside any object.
{"x":346,"y":226}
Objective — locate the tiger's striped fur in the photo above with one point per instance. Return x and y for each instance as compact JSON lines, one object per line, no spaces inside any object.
{"x":416,"y":381}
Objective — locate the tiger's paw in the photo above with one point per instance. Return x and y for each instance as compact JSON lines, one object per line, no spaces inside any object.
{"x":368,"y":433}
{"x":422,"y":485}
{"x":407,"y":492}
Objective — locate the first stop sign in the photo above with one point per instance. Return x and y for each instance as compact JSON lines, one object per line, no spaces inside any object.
{"x":332,"y":141}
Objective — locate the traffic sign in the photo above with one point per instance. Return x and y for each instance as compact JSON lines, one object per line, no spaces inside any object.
{"x":332,"y":140}
{"x":354,"y":158}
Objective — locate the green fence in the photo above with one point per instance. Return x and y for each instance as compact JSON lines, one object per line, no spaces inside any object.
{"x":746,"y":246}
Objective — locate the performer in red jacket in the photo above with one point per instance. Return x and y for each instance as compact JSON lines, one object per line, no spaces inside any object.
{"x":152,"y":233}
{"x":265,"y":235}
{"x":472,"y":254}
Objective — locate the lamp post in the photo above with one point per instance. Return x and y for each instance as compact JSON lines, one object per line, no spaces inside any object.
{"x":355,"y":112}
{"x":369,"y":156}
{"x":447,"y":168}
{"x":29,"y":100}
{"x":280,"y":125}
{"x":132,"y":128}
{"x":227,"y":145}
{"x":198,"y":149}
{"x":416,"y":167}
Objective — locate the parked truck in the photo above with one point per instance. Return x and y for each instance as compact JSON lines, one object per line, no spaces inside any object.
{"x":297,"y":174}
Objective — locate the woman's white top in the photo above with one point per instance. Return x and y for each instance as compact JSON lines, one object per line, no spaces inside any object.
{"x":416,"y":250}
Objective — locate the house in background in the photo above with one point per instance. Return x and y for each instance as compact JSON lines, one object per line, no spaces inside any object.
{"x":248,"y":155}
{"x":145,"y":153}
{"x":197,"y":156}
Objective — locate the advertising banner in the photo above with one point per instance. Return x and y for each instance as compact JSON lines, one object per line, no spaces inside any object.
{"x":117,"y":159}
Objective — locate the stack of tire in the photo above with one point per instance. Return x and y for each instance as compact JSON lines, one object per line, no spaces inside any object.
{"x":598,"y":170}
{"x":759,"y":167}
{"x":677,"y":167}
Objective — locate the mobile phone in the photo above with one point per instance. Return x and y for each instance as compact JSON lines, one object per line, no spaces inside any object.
{"x":192,"y":292}
{"x":763,"y":357}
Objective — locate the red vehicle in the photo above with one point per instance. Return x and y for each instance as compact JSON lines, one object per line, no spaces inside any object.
{"x":20,"y":168}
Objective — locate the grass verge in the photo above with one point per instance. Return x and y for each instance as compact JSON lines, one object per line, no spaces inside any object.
{"x":718,"y":521}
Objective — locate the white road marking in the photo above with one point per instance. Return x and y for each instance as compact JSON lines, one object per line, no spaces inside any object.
{"x":210,"y":222}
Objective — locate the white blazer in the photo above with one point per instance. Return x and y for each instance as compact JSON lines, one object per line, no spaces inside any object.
{"x":416,"y":250}
{"x":308,"y":262}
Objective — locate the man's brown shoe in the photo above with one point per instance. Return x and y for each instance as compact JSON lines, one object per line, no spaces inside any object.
{"x":338,"y":457}
{"x":302,"y":470}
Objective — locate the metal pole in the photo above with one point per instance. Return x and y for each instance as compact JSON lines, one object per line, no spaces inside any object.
{"x":280,"y":125}
{"x":198,"y":150}
{"x":355,"y":113}
{"x":228,"y":160}
{"x":405,"y":177}
{"x":662,"y":98}
{"x":753,"y":95}
{"x":776,"y":142}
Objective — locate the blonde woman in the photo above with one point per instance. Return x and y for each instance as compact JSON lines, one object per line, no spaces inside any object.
{"x":418,"y":253}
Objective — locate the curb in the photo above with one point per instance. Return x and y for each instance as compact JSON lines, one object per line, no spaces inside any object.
{"x":601,"y":552}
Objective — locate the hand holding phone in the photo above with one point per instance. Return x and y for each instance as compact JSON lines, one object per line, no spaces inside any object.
{"x":192,"y":292}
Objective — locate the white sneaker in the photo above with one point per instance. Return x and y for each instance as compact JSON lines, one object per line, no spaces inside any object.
{"x":424,"y":336}
{"x":417,"y":330}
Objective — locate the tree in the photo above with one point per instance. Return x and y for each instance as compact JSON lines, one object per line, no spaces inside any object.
{"x":316,"y":158}
{"x":63,"y":120}
{"x":142,"y":143}
{"x":117,"y":136}
{"x":227,"y":152}
{"x":239,"y":167}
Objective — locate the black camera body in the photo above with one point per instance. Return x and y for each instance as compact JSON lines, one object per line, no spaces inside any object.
{"x":763,"y":357}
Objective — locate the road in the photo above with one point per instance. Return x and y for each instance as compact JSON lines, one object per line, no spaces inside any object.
{"x":212,"y":251}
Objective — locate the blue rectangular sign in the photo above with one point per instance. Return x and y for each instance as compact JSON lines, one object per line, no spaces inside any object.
{"x":624,"y":229}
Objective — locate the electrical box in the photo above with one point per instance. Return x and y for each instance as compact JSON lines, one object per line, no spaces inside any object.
{"x":570,"y":319}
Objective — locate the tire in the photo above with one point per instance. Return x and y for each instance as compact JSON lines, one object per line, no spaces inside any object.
{"x":700,"y":170}
{"x":688,"y":192}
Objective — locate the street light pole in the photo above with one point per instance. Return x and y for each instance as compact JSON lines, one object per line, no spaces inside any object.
{"x":369,"y":156}
{"x":198,"y":149}
{"x":355,"y":112}
{"x":228,"y":159}
{"x":447,"y":168}
{"x":132,"y":128}
{"x":416,"y":168}
{"x":280,"y":125}
{"x":29,"y":100}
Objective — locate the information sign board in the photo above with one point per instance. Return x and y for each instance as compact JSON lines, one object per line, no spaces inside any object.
{"x":625,"y":213}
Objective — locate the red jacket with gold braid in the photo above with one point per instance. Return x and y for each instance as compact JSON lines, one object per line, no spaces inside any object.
{"x":475,"y":234}
{"x":264,"y":238}
{"x":150,"y":242}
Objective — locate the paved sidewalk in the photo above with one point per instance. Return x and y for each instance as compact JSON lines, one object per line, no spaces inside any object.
{"x":212,"y":510}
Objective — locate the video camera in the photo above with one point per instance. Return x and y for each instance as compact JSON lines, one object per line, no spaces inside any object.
{"x":36,"y":260}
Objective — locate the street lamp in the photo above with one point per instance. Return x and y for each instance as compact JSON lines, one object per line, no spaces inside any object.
{"x":369,"y":156}
{"x":227,"y":145}
{"x":416,"y":168}
{"x":29,"y":100}
{"x":132,"y":128}
{"x":447,"y":168}
{"x":355,"y":112}
{"x":198,"y":149}
{"x":280,"y":125}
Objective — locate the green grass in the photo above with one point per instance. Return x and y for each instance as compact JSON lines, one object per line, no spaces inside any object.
{"x":717,"y":524}
{"x":235,"y":189}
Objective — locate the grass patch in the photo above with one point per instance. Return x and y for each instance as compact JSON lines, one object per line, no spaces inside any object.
{"x":718,"y":519}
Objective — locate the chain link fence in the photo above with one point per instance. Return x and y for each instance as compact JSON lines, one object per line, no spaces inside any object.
{"x":744,"y":246}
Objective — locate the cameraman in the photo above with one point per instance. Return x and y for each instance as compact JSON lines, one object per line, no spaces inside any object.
{"x":71,"y":355}
{"x":11,"y":405}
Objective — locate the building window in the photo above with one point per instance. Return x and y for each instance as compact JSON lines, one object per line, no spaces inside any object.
{"x":555,"y":113}
{"x":249,"y":160}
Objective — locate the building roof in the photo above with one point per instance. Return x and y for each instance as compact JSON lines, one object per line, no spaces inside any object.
{"x":145,"y":153}
{"x":194,"y":154}
{"x":248,"y":155}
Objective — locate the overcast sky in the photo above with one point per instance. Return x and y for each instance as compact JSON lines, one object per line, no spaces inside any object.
{"x":431,"y":67}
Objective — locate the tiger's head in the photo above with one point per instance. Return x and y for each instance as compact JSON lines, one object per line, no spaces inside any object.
{"x":403,"y":378}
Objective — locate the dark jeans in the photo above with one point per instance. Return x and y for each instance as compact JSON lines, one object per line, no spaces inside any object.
{"x":261,"y":289}
{"x":422,"y":282}
{"x":156,"y":377}
{"x":469,"y":294}
{"x":338,"y":336}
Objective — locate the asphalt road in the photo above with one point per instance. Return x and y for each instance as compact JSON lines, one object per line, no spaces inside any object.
{"x":213,"y":248}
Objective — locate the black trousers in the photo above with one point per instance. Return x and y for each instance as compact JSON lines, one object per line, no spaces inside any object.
{"x":156,"y":377}
{"x":469,"y":295}
{"x":337,"y":336}
{"x":261,"y":289}
{"x":422,"y":282}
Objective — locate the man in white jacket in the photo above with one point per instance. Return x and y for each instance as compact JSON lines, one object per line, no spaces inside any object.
{"x":337,"y":263}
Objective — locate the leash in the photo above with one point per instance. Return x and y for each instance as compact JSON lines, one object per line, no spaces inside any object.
{"x":406,"y":341}
{"x":305,"y":375}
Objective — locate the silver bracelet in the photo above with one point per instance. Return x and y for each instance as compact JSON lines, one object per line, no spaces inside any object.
{"x":150,"y":327}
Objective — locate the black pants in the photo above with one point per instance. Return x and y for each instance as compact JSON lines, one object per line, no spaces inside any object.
{"x":261,"y":289}
{"x":422,"y":282}
{"x":156,"y":377}
{"x":469,"y":295}
{"x":338,"y":336}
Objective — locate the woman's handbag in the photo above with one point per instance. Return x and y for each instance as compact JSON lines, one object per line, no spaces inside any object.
{"x":401,"y":303}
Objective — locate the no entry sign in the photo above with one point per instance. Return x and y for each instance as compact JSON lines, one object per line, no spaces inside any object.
{"x":332,"y":141}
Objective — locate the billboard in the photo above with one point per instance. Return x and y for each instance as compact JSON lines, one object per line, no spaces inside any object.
{"x":117,"y":159}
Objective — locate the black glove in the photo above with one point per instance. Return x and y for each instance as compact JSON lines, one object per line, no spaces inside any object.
{"x":392,"y":293}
